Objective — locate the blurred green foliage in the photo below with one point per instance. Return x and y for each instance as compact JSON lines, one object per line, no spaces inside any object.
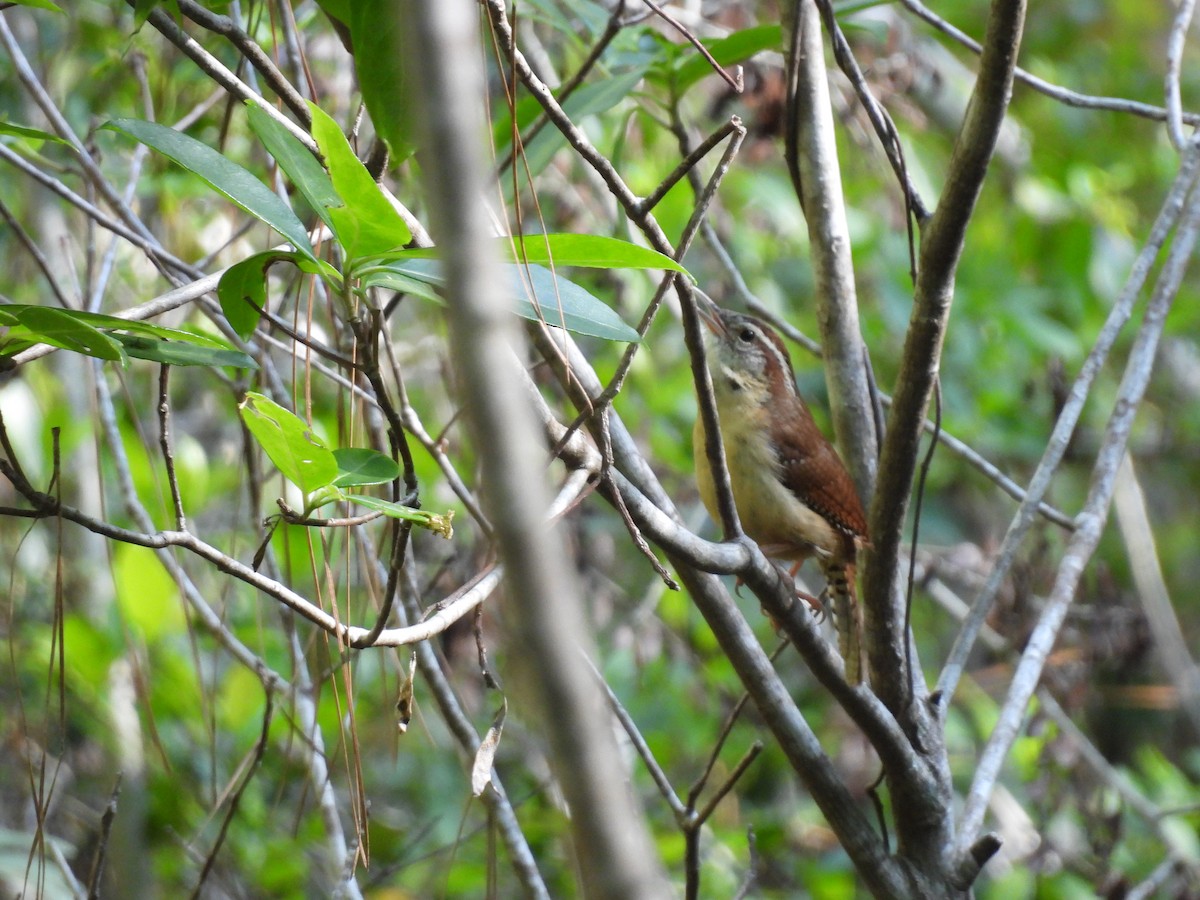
{"x":1047,"y":252}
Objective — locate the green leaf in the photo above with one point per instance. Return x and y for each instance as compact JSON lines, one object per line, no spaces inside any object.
{"x":304,"y":170}
{"x":392,"y":279}
{"x":588,"y":251}
{"x":179,"y":353}
{"x":366,"y":224}
{"x":441,"y":524}
{"x":589,"y":100}
{"x":143,"y":340}
{"x":727,"y":51}
{"x":290,"y":443}
{"x":39,"y":4}
{"x":359,"y":466}
{"x":539,"y":296}
{"x":247,"y":280}
{"x":544,"y":296}
{"x":223,"y":175}
{"x":33,"y":134}
{"x":60,"y":328}
{"x":377,"y":57}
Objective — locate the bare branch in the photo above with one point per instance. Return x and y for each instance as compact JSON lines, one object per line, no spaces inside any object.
{"x":1056,"y":447}
{"x":1091,"y":523}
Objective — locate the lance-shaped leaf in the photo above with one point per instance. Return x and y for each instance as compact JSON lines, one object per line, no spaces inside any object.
{"x":180,"y":353}
{"x":299,"y":454}
{"x":222,"y":174}
{"x":304,"y":169}
{"x":60,"y":328}
{"x":539,"y":295}
{"x":586,"y":251}
{"x":366,"y":223}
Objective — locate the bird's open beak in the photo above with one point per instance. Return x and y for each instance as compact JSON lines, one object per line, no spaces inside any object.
{"x":710,"y":313}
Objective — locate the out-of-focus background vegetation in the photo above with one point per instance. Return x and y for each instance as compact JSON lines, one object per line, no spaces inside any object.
{"x":146,"y":692}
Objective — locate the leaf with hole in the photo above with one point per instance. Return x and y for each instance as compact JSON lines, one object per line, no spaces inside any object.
{"x":289,"y":442}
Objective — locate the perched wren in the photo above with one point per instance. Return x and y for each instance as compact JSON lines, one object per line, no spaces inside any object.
{"x":792,"y":492}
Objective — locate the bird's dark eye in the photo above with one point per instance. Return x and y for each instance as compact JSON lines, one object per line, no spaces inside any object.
{"x":746,"y":335}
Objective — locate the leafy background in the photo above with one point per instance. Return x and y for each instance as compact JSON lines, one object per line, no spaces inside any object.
{"x":147,"y":692}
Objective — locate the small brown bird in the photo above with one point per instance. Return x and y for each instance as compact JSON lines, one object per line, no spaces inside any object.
{"x":792,"y":492}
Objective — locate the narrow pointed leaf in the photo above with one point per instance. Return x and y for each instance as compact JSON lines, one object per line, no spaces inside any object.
{"x":222,"y":174}
{"x":588,"y":251}
{"x":539,"y":295}
{"x":178,"y":353}
{"x":300,"y":166}
{"x":24,"y":131}
{"x":59,"y":328}
{"x":366,"y":223}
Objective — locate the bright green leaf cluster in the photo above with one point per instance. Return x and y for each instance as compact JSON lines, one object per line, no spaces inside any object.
{"x":373,"y":234}
{"x":304,"y":459}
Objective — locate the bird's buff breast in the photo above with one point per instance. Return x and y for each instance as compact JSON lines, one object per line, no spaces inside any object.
{"x":770,"y":513}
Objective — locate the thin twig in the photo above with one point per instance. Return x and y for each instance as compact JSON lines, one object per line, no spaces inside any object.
{"x":1068,"y":418}
{"x":260,"y":748}
{"x":734,"y":81}
{"x":1061,"y":94}
{"x":1091,"y":524}
{"x":164,"y":442}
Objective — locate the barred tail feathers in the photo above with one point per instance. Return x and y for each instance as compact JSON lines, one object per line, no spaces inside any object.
{"x":847,"y":616}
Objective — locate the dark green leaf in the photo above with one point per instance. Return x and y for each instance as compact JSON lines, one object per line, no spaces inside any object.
{"x":377,"y":58}
{"x":367,"y":224}
{"x":290,"y":443}
{"x":222,"y":174}
{"x":247,"y":281}
{"x":59,"y":328}
{"x":178,"y":353}
{"x":304,"y":169}
{"x":359,"y":466}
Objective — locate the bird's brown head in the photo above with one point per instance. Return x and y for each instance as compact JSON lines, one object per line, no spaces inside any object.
{"x":748,"y":359}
